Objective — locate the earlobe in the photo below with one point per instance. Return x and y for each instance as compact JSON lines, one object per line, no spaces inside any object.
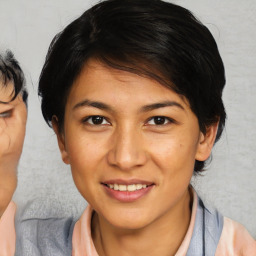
{"x":61,"y":140}
{"x":206,"y":142}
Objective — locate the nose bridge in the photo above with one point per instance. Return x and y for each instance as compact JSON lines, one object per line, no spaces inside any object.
{"x":127,"y":150}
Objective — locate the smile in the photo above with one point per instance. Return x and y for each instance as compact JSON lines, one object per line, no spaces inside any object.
{"x":130,"y":188}
{"x":127,"y":191}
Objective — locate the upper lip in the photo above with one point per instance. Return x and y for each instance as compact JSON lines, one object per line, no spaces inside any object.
{"x":128,"y":182}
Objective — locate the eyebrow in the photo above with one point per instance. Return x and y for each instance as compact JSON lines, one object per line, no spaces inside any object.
{"x":146,"y":108}
{"x":164,"y":104}
{"x":95,"y":104}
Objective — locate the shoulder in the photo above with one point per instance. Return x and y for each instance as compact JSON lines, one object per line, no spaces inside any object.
{"x":235,"y":240}
{"x":43,"y":228}
{"x":221,"y":234}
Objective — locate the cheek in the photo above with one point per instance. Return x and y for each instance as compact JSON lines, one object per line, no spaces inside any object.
{"x":20,"y":140}
{"x":174,"y":153}
{"x":12,"y":144}
{"x":8,"y":183}
{"x":18,"y":130}
{"x":85,"y":154}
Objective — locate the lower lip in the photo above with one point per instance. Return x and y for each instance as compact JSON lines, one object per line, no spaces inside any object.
{"x":127,"y":196}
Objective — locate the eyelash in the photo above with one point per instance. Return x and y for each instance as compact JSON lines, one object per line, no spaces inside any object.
{"x":6,"y":114}
{"x":86,"y":120}
{"x":167,"y":120}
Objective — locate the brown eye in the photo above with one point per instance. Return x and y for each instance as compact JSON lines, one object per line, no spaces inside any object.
{"x":159,"y":120}
{"x":96,"y":120}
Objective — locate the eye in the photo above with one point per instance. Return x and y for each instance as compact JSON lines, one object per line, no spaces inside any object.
{"x":159,"y":120}
{"x":96,"y":120}
{"x":5,"y":114}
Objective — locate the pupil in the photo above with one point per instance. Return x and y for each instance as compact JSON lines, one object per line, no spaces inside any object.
{"x":159,"y":120}
{"x":97,"y":119}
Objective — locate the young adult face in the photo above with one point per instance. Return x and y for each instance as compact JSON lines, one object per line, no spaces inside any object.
{"x":13,"y":116}
{"x":126,"y":132}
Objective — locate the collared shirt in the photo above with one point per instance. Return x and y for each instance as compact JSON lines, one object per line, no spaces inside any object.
{"x":44,"y":229}
{"x":7,"y":231}
{"x":208,"y":234}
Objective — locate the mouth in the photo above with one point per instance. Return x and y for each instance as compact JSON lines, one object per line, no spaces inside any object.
{"x":129,"y":188}
{"x":127,"y":191}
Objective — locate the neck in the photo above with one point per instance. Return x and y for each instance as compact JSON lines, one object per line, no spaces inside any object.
{"x":162,"y":237}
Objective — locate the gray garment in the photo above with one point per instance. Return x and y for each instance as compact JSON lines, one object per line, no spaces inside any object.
{"x":43,"y":230}
{"x":207,"y":231}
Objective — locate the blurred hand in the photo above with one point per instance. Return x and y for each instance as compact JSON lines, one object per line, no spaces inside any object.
{"x":13,"y":116}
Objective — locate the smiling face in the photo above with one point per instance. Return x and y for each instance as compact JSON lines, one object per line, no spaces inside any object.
{"x":13,"y":116}
{"x":131,"y":144}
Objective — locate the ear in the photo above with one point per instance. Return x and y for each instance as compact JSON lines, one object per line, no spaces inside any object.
{"x":206,"y":142}
{"x":61,"y":140}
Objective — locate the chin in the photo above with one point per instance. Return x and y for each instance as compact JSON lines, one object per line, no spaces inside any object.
{"x":126,"y":221}
{"x":130,"y":225}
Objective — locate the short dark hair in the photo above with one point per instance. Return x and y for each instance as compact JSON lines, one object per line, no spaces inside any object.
{"x":152,"y":38}
{"x":10,"y":71}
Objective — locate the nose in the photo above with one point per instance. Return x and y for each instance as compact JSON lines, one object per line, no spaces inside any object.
{"x":127,"y":151}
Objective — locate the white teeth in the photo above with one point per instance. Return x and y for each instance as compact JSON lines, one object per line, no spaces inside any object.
{"x":139,"y":186}
{"x":131,"y":188}
{"x":122,"y":187}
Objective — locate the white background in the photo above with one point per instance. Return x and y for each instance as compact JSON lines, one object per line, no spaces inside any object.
{"x":27,"y":27}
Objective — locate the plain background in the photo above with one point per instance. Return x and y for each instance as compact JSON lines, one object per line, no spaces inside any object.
{"x":27,"y":28}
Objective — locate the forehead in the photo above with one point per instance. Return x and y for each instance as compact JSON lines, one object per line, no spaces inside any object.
{"x":99,"y":80}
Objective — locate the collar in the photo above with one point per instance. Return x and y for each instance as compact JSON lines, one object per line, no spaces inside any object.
{"x":82,"y":243}
{"x":207,"y":231}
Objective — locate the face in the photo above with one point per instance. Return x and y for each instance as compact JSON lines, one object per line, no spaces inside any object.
{"x":13,"y":116}
{"x":131,"y":144}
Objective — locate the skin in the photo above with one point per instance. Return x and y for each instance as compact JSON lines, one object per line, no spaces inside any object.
{"x":13,"y":116}
{"x":127,"y":145}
